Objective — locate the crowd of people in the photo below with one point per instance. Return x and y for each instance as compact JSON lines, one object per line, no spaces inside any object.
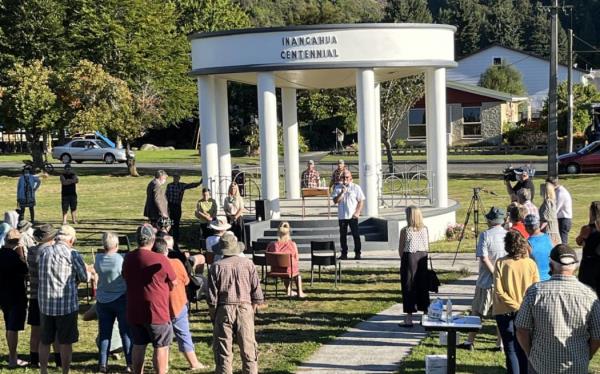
{"x":547,"y":318}
{"x":526,"y":277}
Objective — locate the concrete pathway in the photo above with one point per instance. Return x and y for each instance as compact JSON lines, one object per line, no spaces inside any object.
{"x":378,"y":344}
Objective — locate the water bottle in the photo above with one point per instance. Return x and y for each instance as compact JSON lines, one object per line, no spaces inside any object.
{"x":449,"y":310}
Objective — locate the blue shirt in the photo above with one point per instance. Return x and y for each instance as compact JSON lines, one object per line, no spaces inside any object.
{"x":541,"y":245}
{"x":111,"y":284}
{"x":491,"y":245}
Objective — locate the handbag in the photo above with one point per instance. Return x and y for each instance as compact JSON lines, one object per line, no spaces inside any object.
{"x":433,"y":282}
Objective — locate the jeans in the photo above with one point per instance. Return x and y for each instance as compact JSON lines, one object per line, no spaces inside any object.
{"x":181,"y":330}
{"x":564,"y":226}
{"x":516,"y":360}
{"x":107,"y":313}
{"x":21,"y":212}
{"x":353,"y":223}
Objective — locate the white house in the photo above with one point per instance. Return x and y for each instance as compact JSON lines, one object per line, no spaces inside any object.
{"x":534,"y":69}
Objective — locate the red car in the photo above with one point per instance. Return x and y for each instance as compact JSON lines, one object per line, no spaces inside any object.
{"x":586,"y":159}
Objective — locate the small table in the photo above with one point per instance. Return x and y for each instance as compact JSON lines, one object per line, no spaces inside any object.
{"x":458,"y":323}
{"x":315,"y":192}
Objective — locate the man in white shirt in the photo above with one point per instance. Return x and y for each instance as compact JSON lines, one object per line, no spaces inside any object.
{"x":350,"y":200}
{"x":564,"y":209}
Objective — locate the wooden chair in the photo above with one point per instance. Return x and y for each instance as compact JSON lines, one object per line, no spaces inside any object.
{"x":124,"y":242}
{"x":322,"y":253}
{"x":258,"y":256}
{"x":282,"y":261}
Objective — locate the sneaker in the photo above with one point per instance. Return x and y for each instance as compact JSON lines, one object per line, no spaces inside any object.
{"x":343,"y":257}
{"x":466,"y":345}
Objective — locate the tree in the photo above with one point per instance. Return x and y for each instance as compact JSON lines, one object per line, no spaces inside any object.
{"x":28,"y":102}
{"x":468,"y":17}
{"x":583,"y":96}
{"x":405,"y":10}
{"x":397,"y":97}
{"x":503,"y":78}
{"x":210,"y":15}
{"x":502,"y":26}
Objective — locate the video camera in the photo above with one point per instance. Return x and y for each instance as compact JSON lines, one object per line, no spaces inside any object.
{"x":510,"y":173}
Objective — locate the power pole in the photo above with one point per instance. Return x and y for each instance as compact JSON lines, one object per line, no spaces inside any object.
{"x":552,"y":96}
{"x":570,"y":103}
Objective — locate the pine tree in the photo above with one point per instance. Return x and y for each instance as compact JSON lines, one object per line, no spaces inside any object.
{"x":538,"y":32}
{"x":502,"y":25}
{"x":467,"y":16}
{"x":408,"y":11}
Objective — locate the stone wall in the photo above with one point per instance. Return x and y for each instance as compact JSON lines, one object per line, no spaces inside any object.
{"x":491,"y":123}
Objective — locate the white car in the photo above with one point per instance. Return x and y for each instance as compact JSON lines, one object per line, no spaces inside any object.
{"x":80,"y":150}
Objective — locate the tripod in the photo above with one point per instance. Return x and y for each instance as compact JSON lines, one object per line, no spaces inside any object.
{"x":475,"y":207}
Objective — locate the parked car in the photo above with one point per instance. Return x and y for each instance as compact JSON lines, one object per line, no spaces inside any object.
{"x":80,"y":150}
{"x":587,"y":159}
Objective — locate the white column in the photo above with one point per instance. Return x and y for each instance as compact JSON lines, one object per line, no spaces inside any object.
{"x":378,"y":138}
{"x":267,"y":124}
{"x":222,"y":120}
{"x":437,"y":161}
{"x":290,"y":142}
{"x":365,"y":103}
{"x":208,"y":132}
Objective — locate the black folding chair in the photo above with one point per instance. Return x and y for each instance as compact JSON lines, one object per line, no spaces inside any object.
{"x":124,"y":242}
{"x":258,"y":256}
{"x":322,"y":253}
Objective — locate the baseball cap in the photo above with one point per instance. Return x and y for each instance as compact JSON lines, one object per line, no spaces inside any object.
{"x":311,"y":162}
{"x":145,"y":233}
{"x":563,"y":254}
{"x":340,"y":161}
{"x":531,"y":220}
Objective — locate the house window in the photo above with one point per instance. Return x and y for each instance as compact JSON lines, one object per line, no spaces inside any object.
{"x":471,"y":122}
{"x":497,"y":60}
{"x":416,"y":124}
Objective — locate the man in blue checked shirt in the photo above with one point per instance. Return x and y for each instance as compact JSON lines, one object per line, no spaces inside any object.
{"x":61,"y":268}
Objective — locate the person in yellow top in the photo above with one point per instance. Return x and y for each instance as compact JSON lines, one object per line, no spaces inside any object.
{"x":513,"y":274}
{"x":206,"y":212}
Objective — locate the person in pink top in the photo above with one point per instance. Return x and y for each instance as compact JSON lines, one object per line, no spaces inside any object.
{"x":284,"y":244}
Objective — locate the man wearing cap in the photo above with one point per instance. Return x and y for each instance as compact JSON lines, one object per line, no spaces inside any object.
{"x":156,"y":200}
{"x":338,"y":174}
{"x":490,"y":247}
{"x":175,"y":191}
{"x":68,"y":194}
{"x":564,"y":209}
{"x":234,"y":293}
{"x":558,"y":325}
{"x":540,"y":243}
{"x":523,"y":181}
{"x":149,"y":277}
{"x":13,"y":293}
{"x":44,"y":235}
{"x":310,"y":176}
{"x":350,"y":199}
{"x":61,"y":268}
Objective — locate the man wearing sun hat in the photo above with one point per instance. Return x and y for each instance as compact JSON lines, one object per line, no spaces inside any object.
{"x":558,"y":324}
{"x":490,"y":247}
{"x":234,"y":293}
{"x":44,"y":236}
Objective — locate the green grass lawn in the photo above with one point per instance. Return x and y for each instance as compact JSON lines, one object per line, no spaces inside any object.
{"x":288,"y":331}
{"x":190,"y":156}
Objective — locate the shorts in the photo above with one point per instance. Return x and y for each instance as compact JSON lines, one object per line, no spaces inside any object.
{"x":33,"y":313}
{"x":14,"y":315}
{"x":483,"y":301}
{"x":62,"y":328}
{"x":144,"y":334}
{"x":69,"y":202}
